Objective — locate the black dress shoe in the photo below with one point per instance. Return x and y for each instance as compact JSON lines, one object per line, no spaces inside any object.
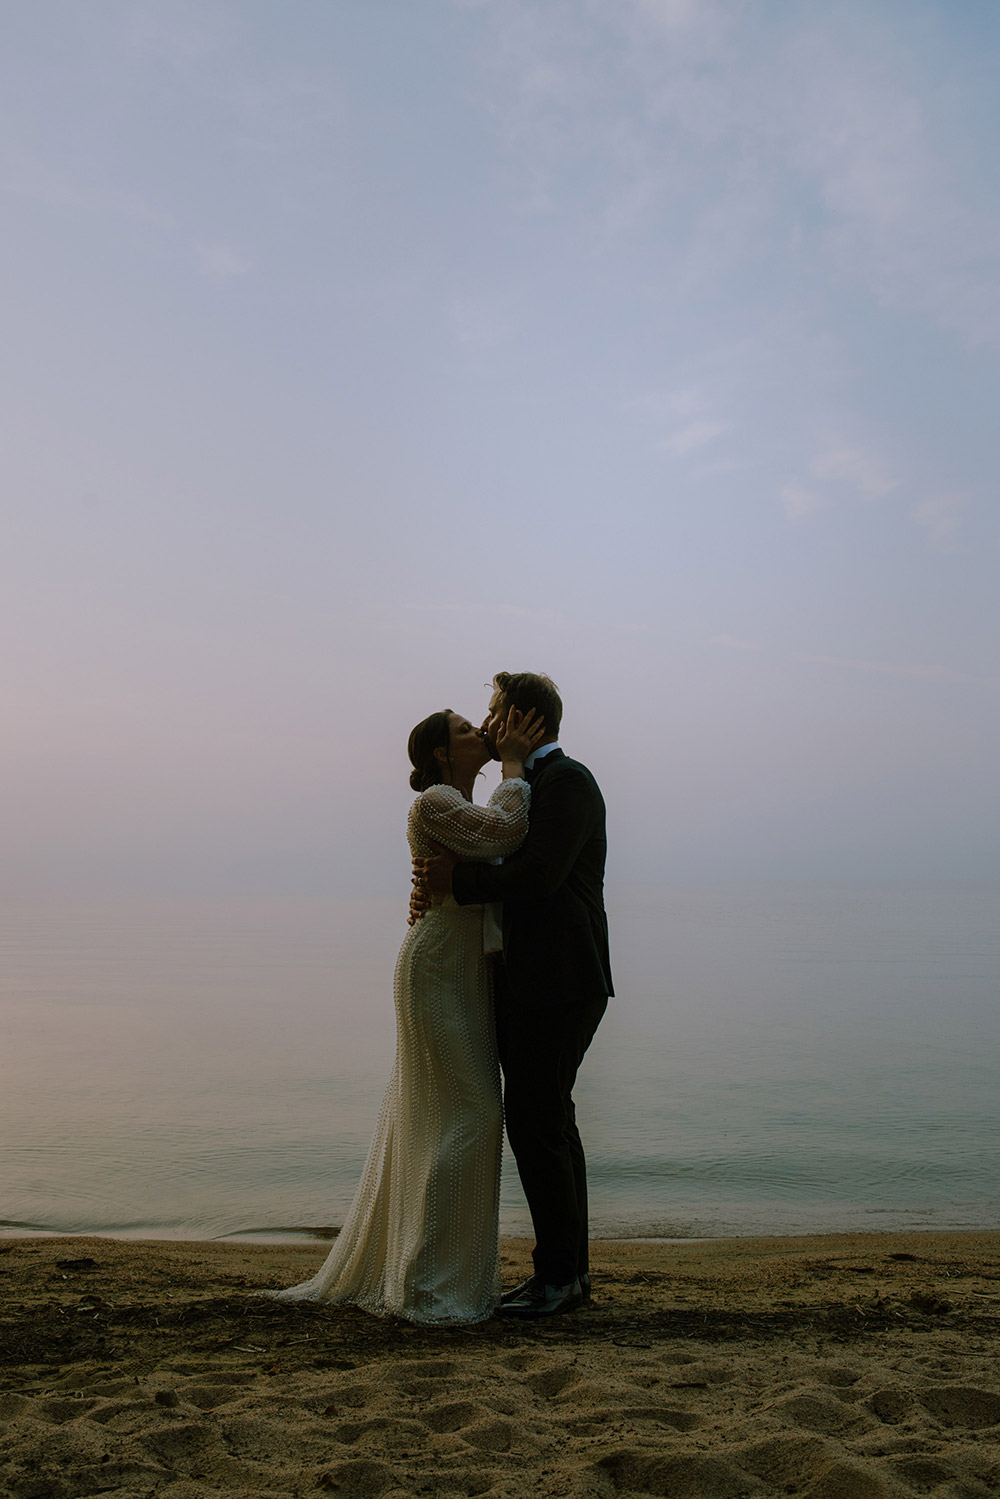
{"x":536,"y":1299}
{"x":526,"y":1285}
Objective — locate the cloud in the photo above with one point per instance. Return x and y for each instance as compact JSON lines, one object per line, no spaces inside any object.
{"x":854,"y":467}
{"x":715,"y":119}
{"x":940,"y":517}
{"x":876,"y":132}
{"x":672,"y":14}
{"x":735,"y":643}
{"x":925,"y":673}
{"x":28,"y":176}
{"x":683,"y":415}
{"x":481,"y":322}
{"x":695,"y":435}
{"x":861,"y":470}
{"x":907,"y":671}
{"x":542,"y":619}
{"x":220,"y":260}
{"x":799,"y":502}
{"x":181,"y":31}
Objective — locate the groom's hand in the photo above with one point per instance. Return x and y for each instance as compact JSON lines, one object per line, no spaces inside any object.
{"x":419,"y":898}
{"x":431,"y":880}
{"x":433,"y":876}
{"x":420,"y":901}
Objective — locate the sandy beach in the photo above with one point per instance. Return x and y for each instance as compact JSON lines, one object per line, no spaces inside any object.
{"x":842,"y":1367}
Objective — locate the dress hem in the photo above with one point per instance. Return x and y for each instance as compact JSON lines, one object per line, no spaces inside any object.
{"x":377,"y":1309}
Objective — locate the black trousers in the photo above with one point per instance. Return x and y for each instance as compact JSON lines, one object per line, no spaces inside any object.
{"x":540,"y":1054}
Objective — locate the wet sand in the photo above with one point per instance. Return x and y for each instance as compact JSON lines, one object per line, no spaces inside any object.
{"x":841,"y":1367}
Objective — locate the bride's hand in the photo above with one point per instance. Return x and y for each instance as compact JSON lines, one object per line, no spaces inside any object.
{"x":521,"y":734}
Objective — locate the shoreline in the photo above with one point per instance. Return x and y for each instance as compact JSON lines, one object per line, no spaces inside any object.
{"x":835,"y":1366}
{"x":305,"y":1235}
{"x":319,"y":1236}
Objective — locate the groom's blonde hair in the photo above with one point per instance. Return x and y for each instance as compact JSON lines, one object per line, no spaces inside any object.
{"x":524,"y":690}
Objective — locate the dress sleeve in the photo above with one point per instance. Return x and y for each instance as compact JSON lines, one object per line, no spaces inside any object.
{"x":473,"y":832}
{"x":562,"y":823}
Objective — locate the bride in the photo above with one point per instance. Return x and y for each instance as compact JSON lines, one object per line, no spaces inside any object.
{"x":421,"y":1238}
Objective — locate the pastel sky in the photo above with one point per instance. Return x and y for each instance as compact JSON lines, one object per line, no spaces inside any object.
{"x":357,"y":349}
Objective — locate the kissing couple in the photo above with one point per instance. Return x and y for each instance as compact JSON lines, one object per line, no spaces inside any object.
{"x":505,"y":965}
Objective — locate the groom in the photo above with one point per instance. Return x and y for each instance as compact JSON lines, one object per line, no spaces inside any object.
{"x":551,"y":985}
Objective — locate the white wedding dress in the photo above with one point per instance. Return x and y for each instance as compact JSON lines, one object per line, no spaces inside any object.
{"x":421,"y":1238}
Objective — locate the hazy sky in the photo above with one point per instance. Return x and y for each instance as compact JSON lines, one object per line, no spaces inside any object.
{"x":356,"y":349}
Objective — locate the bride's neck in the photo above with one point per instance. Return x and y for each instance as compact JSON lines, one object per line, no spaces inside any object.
{"x":464,"y":784}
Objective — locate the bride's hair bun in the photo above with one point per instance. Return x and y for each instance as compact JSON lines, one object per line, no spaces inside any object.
{"x":432,"y":734}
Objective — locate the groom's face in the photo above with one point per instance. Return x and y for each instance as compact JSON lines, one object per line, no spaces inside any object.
{"x":491,"y":723}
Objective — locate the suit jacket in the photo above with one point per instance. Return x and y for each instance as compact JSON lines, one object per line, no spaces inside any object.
{"x":555,"y":931}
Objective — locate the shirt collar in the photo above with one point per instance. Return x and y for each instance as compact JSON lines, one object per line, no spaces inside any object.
{"x":539,"y":754}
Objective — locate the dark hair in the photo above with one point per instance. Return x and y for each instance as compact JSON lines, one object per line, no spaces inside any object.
{"x":528,"y":689}
{"x":434,"y":733}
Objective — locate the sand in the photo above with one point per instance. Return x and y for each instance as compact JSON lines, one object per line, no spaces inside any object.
{"x":843,"y":1367}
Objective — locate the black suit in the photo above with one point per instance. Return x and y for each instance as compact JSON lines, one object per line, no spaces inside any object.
{"x":551,"y":990}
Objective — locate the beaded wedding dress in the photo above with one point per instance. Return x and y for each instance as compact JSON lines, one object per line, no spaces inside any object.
{"x":421,"y":1238}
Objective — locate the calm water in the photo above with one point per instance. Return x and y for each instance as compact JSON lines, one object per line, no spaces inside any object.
{"x":787,"y":1061}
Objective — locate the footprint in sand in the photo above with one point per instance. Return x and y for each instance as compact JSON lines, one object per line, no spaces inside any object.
{"x":684,"y":1476}
{"x":846,"y":1480}
{"x":520,"y":1363}
{"x":492,"y":1436}
{"x":108,"y":1388}
{"x":838,"y":1376}
{"x":13,"y":1407}
{"x":818,"y":1411}
{"x":787,"y":1463}
{"x":218,"y":1391}
{"x":358,"y":1478}
{"x":548,"y":1383}
{"x":923,"y":1473}
{"x":957,"y":1405}
{"x":813,"y":1468}
{"x":384,"y":1433}
{"x":455,"y":1415}
{"x":251,"y":1437}
{"x":59,"y":1410}
{"x":354,"y":1397}
{"x":662,"y":1415}
{"x":891,"y":1405}
{"x":181,"y":1442}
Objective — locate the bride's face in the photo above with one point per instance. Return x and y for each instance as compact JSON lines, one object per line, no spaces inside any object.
{"x":467,"y":746}
{"x":493,"y":722}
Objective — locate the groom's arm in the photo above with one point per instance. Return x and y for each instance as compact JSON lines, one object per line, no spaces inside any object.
{"x":561,"y":823}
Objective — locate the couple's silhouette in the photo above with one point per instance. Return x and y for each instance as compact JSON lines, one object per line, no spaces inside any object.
{"x":505,"y":966}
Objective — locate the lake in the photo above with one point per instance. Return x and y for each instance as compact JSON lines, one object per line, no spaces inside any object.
{"x":776,"y":1061}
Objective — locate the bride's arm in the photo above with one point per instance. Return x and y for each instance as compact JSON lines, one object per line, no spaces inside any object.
{"x":473,"y":832}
